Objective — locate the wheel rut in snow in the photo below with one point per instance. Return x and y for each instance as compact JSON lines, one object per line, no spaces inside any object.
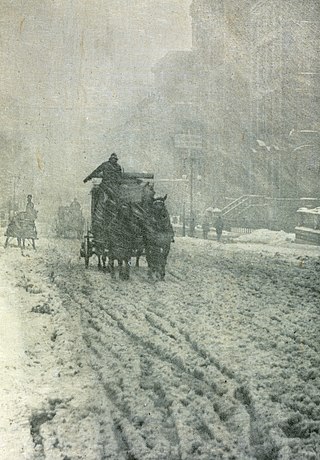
{"x":170,"y":387}
{"x":187,"y":365}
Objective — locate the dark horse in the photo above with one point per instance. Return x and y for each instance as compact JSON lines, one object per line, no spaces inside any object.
{"x":119,"y":238}
{"x":158,"y":236}
{"x":117,"y":231}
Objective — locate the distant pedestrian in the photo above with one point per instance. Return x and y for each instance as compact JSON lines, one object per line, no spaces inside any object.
{"x":192,"y":227}
{"x":219,"y":227}
{"x":205,"y":228}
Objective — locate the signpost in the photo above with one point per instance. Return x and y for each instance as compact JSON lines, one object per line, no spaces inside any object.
{"x":188,"y":141}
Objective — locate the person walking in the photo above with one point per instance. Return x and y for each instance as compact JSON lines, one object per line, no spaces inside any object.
{"x":205,"y":228}
{"x":219,"y":227}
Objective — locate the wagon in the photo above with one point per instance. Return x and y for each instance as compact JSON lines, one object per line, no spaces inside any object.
{"x":69,"y":223}
{"x":130,"y":193}
{"x":21,"y":226}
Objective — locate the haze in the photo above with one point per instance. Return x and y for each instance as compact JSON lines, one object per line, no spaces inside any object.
{"x":71,"y":72}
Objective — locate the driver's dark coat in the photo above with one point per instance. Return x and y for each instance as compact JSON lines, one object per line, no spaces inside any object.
{"x":111,"y":174}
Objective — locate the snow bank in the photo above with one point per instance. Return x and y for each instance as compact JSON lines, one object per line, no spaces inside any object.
{"x":265,"y":236}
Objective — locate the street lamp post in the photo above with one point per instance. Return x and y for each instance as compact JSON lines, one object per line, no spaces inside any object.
{"x":191,"y":225}
{"x":190,"y":142}
{"x":184,"y":219}
{"x":184,"y":177}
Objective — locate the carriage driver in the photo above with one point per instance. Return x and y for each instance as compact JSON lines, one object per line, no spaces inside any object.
{"x":30,"y":210}
{"x":29,"y":205}
{"x":111,"y":174}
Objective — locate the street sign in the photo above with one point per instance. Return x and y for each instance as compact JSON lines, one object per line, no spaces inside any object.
{"x":188,"y":141}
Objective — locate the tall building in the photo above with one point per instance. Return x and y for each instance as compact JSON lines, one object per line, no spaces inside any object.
{"x":256,"y":90}
{"x":249,"y":88}
{"x":285,"y":89}
{"x":216,"y":101}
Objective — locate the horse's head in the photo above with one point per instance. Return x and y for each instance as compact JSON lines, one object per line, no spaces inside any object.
{"x":158,"y":204}
{"x":148,"y":193}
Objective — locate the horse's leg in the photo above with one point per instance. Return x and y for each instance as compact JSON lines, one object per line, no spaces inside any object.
{"x":164,"y":257}
{"x":33,"y":243}
{"x":23,"y":243}
{"x":120,"y":268}
{"x":162,"y":269}
{"x":123,"y":263}
{"x":151,"y":270}
{"x":111,"y":267}
{"x":138,"y":255}
{"x":126,"y":269}
{"x":149,"y":258}
{"x":151,"y":273}
{"x":19,"y":242}
{"x":99,"y":262}
{"x":160,"y":263}
{"x":104,"y":259}
{"x":6,"y":242}
{"x":107,"y":266}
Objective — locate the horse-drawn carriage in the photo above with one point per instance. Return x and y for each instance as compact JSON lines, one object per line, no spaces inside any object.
{"x":22,"y":226}
{"x":126,"y":224}
{"x":70,"y":222}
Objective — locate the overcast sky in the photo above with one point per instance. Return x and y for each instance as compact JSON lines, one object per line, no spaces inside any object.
{"x":73,"y":68}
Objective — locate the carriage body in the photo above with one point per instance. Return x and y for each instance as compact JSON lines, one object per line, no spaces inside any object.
{"x":69,"y":223}
{"x":22,"y":226}
{"x":130,"y":193}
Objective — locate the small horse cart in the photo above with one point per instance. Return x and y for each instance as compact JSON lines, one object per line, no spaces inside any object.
{"x":69,"y":223}
{"x":22,"y":226}
{"x":130,"y":223}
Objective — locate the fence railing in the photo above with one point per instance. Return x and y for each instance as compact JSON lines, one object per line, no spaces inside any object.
{"x":243,"y":202}
{"x":241,"y":230}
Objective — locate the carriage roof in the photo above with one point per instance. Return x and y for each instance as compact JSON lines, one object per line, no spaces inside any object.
{"x":131,"y":186}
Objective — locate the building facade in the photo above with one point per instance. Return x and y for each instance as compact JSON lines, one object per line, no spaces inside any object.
{"x":249,"y":88}
{"x":285,"y":86}
{"x":255,"y":92}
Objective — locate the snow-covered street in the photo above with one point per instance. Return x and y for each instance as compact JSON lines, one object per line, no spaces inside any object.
{"x":219,"y":361}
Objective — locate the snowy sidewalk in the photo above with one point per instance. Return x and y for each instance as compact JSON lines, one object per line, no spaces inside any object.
{"x":260,"y":241}
{"x":15,"y":437}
